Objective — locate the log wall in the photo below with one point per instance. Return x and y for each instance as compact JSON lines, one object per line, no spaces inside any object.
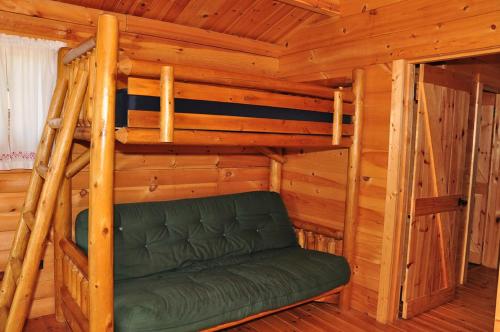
{"x":195,"y":172}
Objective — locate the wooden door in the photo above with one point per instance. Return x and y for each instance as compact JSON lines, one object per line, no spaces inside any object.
{"x":438,"y":189}
{"x":479,"y":215}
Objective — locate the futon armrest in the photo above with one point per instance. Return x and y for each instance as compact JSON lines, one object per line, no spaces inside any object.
{"x":317,"y":237}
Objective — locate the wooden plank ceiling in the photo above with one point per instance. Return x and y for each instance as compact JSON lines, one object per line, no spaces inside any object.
{"x":263,"y":20}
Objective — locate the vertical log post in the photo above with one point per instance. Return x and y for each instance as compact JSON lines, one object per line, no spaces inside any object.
{"x":275,"y":176}
{"x":62,"y":230}
{"x":101,"y":178}
{"x":167,"y":104}
{"x":338,"y":103}
{"x":353,"y":181}
{"x":32,"y":194}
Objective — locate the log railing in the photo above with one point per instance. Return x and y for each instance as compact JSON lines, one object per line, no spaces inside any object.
{"x":212,"y":85}
{"x":314,"y":237}
{"x":75,"y":296}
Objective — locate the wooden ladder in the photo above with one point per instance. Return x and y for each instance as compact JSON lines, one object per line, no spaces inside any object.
{"x":49,"y":169}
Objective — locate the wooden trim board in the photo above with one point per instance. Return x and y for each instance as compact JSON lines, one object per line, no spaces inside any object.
{"x":396,"y":202}
{"x":431,"y":205}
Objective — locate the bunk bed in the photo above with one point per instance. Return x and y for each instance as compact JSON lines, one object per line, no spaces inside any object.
{"x":213,"y":107}
{"x":159,"y":104}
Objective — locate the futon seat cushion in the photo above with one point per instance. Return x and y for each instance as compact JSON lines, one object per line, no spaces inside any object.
{"x":213,"y":292}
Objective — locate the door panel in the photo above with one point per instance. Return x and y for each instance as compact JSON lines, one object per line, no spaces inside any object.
{"x":482,"y":178}
{"x":436,"y":216}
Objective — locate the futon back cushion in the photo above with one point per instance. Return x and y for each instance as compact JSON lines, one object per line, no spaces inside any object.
{"x":154,"y":237}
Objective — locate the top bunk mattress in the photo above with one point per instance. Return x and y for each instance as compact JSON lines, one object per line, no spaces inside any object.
{"x":130,"y":106}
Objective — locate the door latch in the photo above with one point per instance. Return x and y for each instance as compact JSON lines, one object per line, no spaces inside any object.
{"x":462,"y":202}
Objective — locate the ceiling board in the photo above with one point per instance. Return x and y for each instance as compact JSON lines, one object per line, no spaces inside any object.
{"x":264,"y":20}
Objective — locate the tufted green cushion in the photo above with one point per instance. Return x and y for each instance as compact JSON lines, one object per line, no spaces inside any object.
{"x":224,"y":290}
{"x":155,"y":237}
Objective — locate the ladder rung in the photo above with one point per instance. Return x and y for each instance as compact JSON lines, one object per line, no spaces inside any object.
{"x":42,"y":170}
{"x":55,"y":123}
{"x":29,"y":220}
{"x":16,"y":265}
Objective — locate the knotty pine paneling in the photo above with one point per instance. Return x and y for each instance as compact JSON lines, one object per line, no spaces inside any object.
{"x":374,"y":151}
{"x":409,"y":29}
{"x":267,"y":21}
{"x":180,"y":173}
{"x":314,"y":186}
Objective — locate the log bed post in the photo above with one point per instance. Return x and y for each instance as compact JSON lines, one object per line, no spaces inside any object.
{"x":338,"y":103}
{"x":275,"y":176}
{"x":275,"y":167}
{"x":167,"y":104}
{"x":353,"y":172}
{"x":100,"y":254}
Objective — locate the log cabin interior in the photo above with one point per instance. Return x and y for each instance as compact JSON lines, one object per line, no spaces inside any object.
{"x":267,"y":165}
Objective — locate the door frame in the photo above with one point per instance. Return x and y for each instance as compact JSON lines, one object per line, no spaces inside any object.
{"x":400,"y":152}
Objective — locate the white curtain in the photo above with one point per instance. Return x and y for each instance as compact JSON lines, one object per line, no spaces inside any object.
{"x":28,"y":72}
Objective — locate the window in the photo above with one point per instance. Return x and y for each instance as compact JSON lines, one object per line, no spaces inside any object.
{"x":28,"y":72}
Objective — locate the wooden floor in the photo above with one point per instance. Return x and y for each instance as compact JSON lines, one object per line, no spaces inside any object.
{"x":472,"y":310}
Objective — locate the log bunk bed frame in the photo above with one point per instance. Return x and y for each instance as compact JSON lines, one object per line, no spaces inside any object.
{"x":83,"y":108}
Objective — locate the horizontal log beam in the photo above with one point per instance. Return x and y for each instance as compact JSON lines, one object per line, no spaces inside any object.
{"x":150,"y":69}
{"x":151,"y":119}
{"x":222,"y":138}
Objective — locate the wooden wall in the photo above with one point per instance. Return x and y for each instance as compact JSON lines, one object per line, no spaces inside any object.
{"x":190,"y":172}
{"x":374,"y":153}
{"x":370,"y":35}
{"x":387,"y":30}
{"x":314,"y":184}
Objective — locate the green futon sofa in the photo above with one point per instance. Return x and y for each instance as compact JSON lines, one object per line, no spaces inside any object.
{"x":191,"y":264}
